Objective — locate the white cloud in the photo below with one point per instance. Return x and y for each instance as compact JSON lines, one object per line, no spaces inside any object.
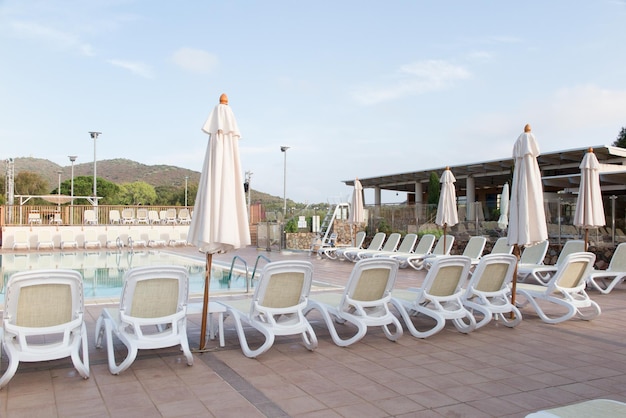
{"x":414,"y":79}
{"x":51,"y":36}
{"x":195,"y":60}
{"x":137,"y":68}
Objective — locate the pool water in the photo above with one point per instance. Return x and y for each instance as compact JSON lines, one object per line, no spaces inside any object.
{"x":103,"y":271}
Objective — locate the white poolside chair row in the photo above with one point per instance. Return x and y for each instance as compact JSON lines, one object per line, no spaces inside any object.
{"x":149,"y":216}
{"x":152,"y":311}
{"x":90,"y":238}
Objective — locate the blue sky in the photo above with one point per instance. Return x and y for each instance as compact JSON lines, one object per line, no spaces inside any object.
{"x":356,"y":88}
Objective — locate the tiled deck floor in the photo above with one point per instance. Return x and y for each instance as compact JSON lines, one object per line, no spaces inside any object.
{"x":493,"y":372}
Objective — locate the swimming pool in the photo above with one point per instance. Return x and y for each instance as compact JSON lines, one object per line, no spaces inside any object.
{"x":103,"y":271}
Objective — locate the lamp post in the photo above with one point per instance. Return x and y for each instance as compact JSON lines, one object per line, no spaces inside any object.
{"x":284,"y":149}
{"x":186,"y":180}
{"x":94,"y":135}
{"x":59,"y":172}
{"x":72,"y":159}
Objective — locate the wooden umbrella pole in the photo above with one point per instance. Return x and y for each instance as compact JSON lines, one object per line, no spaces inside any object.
{"x":586,"y":239}
{"x":205,"y":302}
{"x":516,"y":252}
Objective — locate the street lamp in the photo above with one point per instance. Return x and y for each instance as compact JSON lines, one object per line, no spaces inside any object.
{"x":94,"y":136}
{"x":186,"y":179}
{"x":284,"y":150}
{"x":59,"y":172}
{"x":72,"y":159}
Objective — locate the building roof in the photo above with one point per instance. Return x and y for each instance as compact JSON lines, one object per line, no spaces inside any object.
{"x":560,"y":172}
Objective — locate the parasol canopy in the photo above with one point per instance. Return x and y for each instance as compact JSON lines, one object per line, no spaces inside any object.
{"x":589,"y":207}
{"x":220,"y":219}
{"x":357,"y":211}
{"x":503,"y":221}
{"x":527,"y":218}
{"x":447,"y":214}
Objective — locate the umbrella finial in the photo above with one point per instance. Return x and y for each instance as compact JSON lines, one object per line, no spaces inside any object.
{"x":527,"y":128}
{"x":224,"y":99}
{"x":447,"y":167}
{"x":590,"y":149}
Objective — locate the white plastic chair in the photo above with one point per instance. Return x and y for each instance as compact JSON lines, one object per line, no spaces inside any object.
{"x":21,"y":239}
{"x":152,"y":314}
{"x":331,"y":252}
{"x":363,"y":303}
{"x":605,"y":280}
{"x":154,"y":239}
{"x":488,"y":291}
{"x":541,"y":273}
{"x":90,"y":217}
{"x":128,"y":216}
{"x":114,"y":216}
{"x":67,"y":239}
{"x":351,"y":253}
{"x":439,"y":298}
{"x":43,"y":320}
{"x":565,"y":289}
{"x":406,"y":247}
{"x":44,"y":239}
{"x":183,"y":216}
{"x":417,"y":260}
{"x":142,"y":216}
{"x":91,"y":239}
{"x":390,"y":246}
{"x":153,"y":217}
{"x":277,"y":307}
{"x":170,"y":216}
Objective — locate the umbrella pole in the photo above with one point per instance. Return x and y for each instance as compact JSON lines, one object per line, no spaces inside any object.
{"x":205,"y":302}
{"x":586,"y":239}
{"x":516,"y":252}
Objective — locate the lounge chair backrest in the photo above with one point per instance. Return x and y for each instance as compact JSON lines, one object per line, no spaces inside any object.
{"x":392,"y":242}
{"x":475,"y":247}
{"x":283,"y":284}
{"x":359,"y":239}
{"x":408,"y":243}
{"x":154,"y":292}
{"x":371,"y":279}
{"x":502,"y":247}
{"x":41,"y":304}
{"x":571,"y":246}
{"x":493,"y":272}
{"x":446,"y":275}
{"x":439,"y":250}
{"x":535,"y":253}
{"x":89,"y":216}
{"x":573,"y":271}
{"x":425,"y":244}
{"x":114,"y":216}
{"x":618,"y":261}
{"x":377,"y":242}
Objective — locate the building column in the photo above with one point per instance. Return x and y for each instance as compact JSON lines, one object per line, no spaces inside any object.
{"x":470,"y":197}
{"x":376,"y":196}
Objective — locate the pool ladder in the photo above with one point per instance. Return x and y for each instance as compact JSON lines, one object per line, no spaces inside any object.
{"x":248,"y":279}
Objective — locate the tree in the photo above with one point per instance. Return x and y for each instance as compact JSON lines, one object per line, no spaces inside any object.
{"x":137,"y":193}
{"x":29,"y":183}
{"x":621,"y":139}
{"x":434,"y":188}
{"x":83,"y":186}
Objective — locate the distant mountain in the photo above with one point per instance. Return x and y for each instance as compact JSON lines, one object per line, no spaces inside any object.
{"x":121,"y":170}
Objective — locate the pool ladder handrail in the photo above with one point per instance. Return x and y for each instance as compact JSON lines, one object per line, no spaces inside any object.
{"x":256,"y":263}
{"x":232,"y":267}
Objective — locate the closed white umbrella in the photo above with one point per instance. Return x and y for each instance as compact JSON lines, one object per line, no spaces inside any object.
{"x":357,"y":211}
{"x":589,"y":207}
{"x":527,"y":218}
{"x":503,"y":221}
{"x":447,"y":214}
{"x":220,"y":219}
